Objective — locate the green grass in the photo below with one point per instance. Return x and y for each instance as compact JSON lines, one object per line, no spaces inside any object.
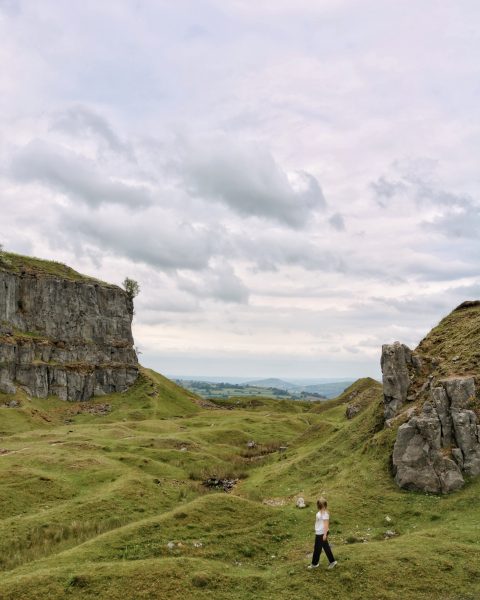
{"x":453,"y":343}
{"x":18,"y":264}
{"x":112,"y":506}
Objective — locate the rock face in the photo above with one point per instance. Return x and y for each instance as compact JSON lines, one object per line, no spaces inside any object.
{"x":68,"y":338}
{"x":434,"y":449}
{"x":397,"y":359}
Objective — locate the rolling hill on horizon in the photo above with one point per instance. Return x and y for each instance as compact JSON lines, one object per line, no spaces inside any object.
{"x":272,"y":382}
{"x":271,"y":387}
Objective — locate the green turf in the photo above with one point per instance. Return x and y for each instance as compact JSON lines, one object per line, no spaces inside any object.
{"x":112,"y":505}
{"x":16,"y":263}
{"x":454,"y":342}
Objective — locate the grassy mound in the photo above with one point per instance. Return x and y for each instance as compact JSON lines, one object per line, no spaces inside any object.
{"x":110,"y":503}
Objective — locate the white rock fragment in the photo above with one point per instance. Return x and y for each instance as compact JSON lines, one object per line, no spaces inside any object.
{"x":300,"y":503}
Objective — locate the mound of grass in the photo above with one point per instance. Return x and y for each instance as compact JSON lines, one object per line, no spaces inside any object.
{"x":361,"y":393}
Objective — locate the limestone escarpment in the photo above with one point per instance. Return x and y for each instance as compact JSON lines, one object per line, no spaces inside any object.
{"x":67,"y":336}
{"x":435,"y":390}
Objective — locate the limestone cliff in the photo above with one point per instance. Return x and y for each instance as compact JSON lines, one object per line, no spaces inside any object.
{"x":62,"y":333}
{"x":434,"y":391}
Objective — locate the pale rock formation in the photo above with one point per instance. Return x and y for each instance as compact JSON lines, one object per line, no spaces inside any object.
{"x":395,"y":362}
{"x":434,"y":449}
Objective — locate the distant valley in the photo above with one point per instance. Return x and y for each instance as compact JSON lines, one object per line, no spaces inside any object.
{"x":271,"y":388}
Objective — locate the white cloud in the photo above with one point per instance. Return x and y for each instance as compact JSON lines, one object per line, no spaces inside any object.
{"x":75,"y":176}
{"x":219,"y":283}
{"x":246,"y":178}
{"x":82,"y":121}
{"x":280,"y":106}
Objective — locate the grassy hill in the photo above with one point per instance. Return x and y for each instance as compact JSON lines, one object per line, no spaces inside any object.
{"x":454,"y":344}
{"x":105,"y":500}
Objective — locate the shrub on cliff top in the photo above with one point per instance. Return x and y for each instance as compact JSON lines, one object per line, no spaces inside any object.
{"x":131,"y":287}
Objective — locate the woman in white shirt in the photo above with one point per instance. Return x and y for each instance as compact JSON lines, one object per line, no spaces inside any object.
{"x":322,"y":521}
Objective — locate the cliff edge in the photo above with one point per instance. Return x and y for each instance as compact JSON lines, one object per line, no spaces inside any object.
{"x":62,"y":333}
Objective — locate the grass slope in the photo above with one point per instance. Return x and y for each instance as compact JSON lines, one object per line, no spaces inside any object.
{"x":454,"y":342}
{"x":112,"y":505}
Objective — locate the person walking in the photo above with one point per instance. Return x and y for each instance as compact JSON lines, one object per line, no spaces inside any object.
{"x":322,"y":522}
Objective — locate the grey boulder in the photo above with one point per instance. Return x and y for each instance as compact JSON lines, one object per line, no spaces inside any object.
{"x":434,"y":449}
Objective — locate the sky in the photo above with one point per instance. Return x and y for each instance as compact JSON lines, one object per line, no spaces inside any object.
{"x":293,"y":183}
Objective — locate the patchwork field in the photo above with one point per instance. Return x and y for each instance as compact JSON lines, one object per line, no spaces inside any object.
{"x":106,"y":500}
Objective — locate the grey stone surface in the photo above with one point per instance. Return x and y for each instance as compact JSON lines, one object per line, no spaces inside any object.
{"x":72,"y":339}
{"x":423,"y":456}
{"x":395,"y":362}
{"x":352,"y":410}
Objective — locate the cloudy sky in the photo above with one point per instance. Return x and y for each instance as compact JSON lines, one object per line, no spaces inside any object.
{"x":292,"y":182}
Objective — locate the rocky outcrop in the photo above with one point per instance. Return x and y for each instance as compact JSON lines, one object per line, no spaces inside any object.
{"x":434,"y":449}
{"x":69,"y":338}
{"x":396,"y":362}
{"x":352,"y":410}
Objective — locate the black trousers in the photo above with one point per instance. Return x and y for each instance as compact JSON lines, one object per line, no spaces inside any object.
{"x":317,"y":549}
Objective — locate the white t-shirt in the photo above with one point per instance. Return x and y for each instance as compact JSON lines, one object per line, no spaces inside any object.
{"x":322,"y":515}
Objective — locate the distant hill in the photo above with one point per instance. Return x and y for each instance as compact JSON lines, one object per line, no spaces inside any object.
{"x":271,"y":388}
{"x":273,"y":382}
{"x":327,"y":390}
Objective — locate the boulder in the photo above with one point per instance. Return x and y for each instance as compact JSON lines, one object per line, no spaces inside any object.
{"x":352,"y":410}
{"x":435,"y":448}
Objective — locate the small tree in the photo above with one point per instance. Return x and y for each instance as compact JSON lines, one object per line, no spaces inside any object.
{"x":131,"y":287}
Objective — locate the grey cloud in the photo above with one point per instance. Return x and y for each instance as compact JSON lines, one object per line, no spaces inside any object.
{"x":430,"y":267}
{"x":386,"y":189}
{"x":273,"y":249}
{"x":459,"y":213}
{"x":174,"y":303}
{"x":80,"y":120}
{"x":460,"y":223}
{"x":64,"y":171}
{"x":219,"y":283}
{"x":247,"y":179}
{"x":155,"y":238}
{"x":337,"y":222}
{"x":421,"y":188}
